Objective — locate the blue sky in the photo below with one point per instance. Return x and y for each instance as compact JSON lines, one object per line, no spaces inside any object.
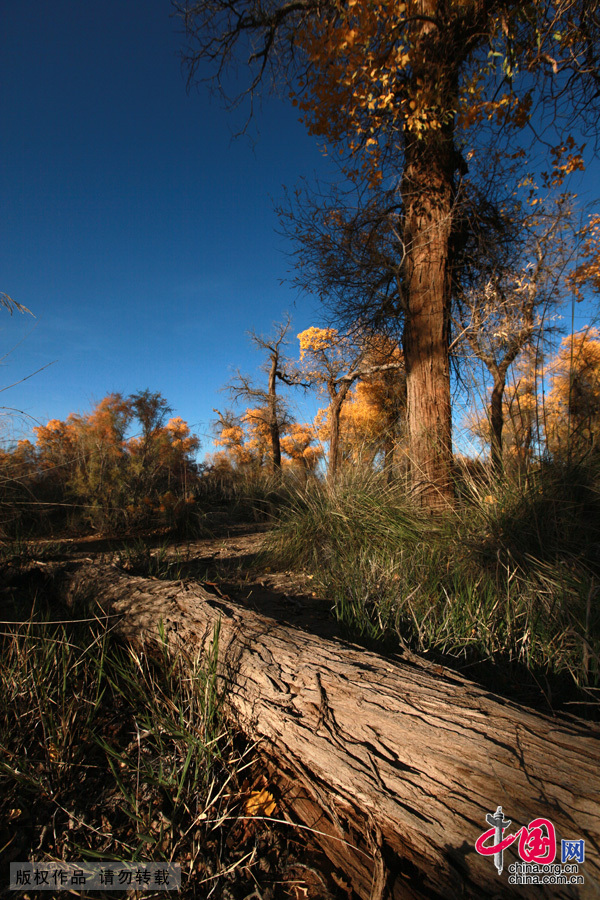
{"x":137,"y":229}
{"x":134,"y":225}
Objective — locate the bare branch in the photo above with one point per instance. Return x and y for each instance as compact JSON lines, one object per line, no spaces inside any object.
{"x":10,"y":304}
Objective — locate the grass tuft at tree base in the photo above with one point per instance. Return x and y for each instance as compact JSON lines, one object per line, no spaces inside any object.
{"x":505,"y":586}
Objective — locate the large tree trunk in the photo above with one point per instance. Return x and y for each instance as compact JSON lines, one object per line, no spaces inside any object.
{"x":394,"y":763}
{"x":427,"y":197}
{"x":427,"y":189}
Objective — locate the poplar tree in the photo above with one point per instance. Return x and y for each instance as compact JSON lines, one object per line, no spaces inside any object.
{"x":271,"y":411}
{"x":407,"y":90}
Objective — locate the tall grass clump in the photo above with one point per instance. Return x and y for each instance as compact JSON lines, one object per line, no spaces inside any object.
{"x":249,"y":495}
{"x":509,"y":577}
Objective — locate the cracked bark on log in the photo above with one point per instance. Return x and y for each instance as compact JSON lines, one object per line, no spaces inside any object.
{"x":393,"y":762}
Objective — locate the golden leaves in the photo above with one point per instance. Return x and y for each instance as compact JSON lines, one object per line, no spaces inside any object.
{"x":299,"y":446}
{"x":260,"y":803}
{"x":566,"y":159}
{"x":572,"y":411}
{"x":587,"y":272}
{"x":314,"y":340}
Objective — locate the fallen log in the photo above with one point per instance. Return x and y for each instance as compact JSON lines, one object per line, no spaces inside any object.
{"x":395,"y":763}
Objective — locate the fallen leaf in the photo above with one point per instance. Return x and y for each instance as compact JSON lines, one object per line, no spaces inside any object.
{"x":260,"y":803}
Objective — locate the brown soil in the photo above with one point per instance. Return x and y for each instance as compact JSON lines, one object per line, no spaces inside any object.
{"x":230,"y":565}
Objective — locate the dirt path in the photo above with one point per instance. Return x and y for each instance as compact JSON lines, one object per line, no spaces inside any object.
{"x":234,"y":566}
{"x":231,"y":564}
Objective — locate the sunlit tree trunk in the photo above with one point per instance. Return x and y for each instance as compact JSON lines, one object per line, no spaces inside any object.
{"x":391,"y":762}
{"x":427,"y":195}
{"x":497,"y":411}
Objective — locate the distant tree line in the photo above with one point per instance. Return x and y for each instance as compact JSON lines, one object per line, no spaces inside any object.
{"x":549,"y":407}
{"x":86,"y":472}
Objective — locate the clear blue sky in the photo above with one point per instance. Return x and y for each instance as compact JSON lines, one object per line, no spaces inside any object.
{"x":135,"y":227}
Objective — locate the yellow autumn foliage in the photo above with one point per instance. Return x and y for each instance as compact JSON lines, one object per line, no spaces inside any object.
{"x":572,"y":413}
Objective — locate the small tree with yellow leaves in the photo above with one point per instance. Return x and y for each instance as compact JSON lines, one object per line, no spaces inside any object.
{"x":300,"y":444}
{"x":572,"y":414}
{"x":334,"y":362}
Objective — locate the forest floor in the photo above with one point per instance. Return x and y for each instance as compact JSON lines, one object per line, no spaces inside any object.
{"x":234,"y":566}
{"x":231,"y":564}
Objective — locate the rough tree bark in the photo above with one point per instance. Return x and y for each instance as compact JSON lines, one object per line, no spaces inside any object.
{"x":425,"y":338}
{"x":394,"y":762}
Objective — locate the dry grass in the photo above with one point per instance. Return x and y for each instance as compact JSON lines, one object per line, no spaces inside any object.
{"x":509,"y":580}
